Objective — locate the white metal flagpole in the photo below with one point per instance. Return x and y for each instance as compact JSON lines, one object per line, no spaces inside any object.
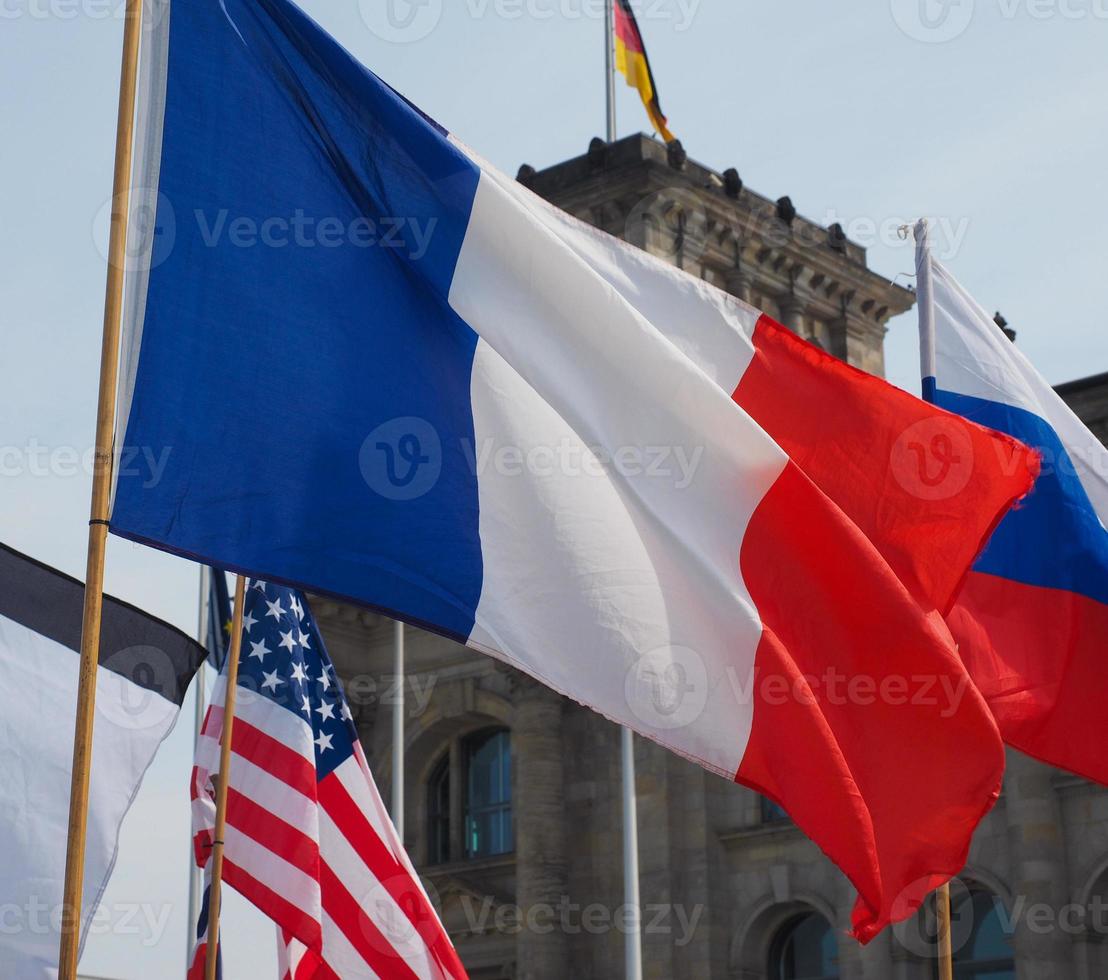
{"x":632,"y":940}
{"x":610,"y":68}
{"x":398,"y":729}
{"x":196,"y":875}
{"x":926,"y":309}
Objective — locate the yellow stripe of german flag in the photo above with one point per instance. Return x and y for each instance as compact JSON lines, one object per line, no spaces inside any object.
{"x":633,"y":64}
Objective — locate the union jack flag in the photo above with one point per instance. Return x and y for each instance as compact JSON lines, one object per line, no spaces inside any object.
{"x":308,"y":839}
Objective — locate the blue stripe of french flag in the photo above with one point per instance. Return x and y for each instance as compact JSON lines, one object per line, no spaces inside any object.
{"x":386,"y":372}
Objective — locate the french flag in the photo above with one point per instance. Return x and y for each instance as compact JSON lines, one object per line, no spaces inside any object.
{"x":391,"y":374}
{"x":1032,"y":619}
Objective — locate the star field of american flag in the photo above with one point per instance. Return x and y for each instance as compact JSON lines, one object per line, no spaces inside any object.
{"x":308,"y":839}
{"x":283,"y":659}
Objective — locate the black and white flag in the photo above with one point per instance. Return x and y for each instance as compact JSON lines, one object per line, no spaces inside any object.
{"x":145,"y":668}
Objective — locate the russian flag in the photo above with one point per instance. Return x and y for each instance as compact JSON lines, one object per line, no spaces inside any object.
{"x":1032,"y":618}
{"x":388,"y":373}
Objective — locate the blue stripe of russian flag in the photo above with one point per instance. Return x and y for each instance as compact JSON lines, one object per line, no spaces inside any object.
{"x":1054,"y":539}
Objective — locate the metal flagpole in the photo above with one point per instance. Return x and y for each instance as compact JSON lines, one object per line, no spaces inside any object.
{"x":196,"y":875}
{"x":610,"y":68}
{"x":398,"y":730}
{"x":632,"y":941}
{"x":212,"y":952}
{"x":926,"y":312}
{"x":70,"y":939}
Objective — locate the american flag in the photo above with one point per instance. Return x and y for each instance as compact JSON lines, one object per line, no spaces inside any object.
{"x":308,"y":839}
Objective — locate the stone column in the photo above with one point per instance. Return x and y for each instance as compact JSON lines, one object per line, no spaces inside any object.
{"x":542,"y":950}
{"x":792,"y":313}
{"x":1038,"y":878}
{"x":740,"y":283}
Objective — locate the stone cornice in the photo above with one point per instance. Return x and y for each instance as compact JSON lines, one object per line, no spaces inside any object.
{"x":739,"y":237}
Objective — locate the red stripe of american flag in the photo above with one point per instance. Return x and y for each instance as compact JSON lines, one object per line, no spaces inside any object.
{"x":266,"y":750}
{"x":393,"y":876}
{"x":360,"y":930}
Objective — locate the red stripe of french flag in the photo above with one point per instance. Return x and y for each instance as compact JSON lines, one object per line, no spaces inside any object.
{"x":851,"y":561}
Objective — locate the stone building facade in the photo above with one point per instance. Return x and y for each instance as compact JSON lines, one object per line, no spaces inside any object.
{"x":513,"y":793}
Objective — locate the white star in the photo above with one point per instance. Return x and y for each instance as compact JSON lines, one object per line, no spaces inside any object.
{"x":324,"y":742}
{"x":306,"y":707}
{"x":325,"y":680}
{"x":299,"y":674}
{"x":303,"y":641}
{"x":345,"y":713}
{"x":259,"y":650}
{"x":248,"y":621}
{"x":275,"y":609}
{"x":295,"y":606}
{"x":287,"y":641}
{"x":325,"y":711}
{"x":259,"y":585}
{"x":271,"y":680}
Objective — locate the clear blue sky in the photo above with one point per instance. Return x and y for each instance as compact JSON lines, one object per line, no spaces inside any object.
{"x":989,"y":117}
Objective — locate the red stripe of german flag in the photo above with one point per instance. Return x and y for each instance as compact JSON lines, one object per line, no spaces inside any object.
{"x":632,"y":62}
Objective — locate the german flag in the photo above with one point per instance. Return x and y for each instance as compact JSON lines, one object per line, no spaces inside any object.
{"x":632,"y":61}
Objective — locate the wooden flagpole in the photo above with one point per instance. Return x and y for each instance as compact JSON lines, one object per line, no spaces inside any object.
{"x":101,"y":499}
{"x":212,"y":959}
{"x":946,"y":953}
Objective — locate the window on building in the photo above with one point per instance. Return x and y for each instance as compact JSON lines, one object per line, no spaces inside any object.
{"x":985,"y":952}
{"x":438,"y":813}
{"x":469,"y":799}
{"x":805,"y":949}
{"x":772,"y":812}
{"x":488,"y":801}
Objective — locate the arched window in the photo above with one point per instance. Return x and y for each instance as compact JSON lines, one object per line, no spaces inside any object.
{"x":438,"y":813}
{"x":469,"y":799}
{"x":805,"y":949}
{"x":985,"y":949}
{"x":488,"y":801}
